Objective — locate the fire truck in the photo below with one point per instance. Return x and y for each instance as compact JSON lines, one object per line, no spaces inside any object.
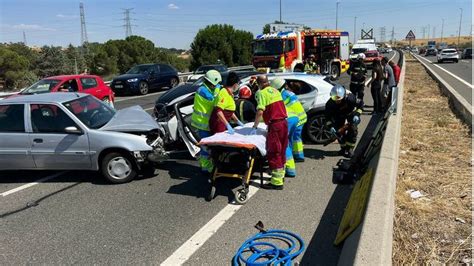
{"x":282,"y":51}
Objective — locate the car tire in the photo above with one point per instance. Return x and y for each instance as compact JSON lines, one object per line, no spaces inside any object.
{"x":315,"y":131}
{"x":174,"y":82}
{"x":335,"y":72}
{"x":143,"y":88}
{"x":440,"y":61}
{"x":455,"y":61}
{"x":118,"y":168}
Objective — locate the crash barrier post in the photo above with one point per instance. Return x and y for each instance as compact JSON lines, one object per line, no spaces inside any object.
{"x":458,"y":104}
{"x":371,"y":242}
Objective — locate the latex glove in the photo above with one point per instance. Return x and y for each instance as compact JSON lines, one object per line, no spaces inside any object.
{"x":240,"y":123}
{"x":253,"y":131}
{"x":230,"y":130}
{"x":356,"y":120}
{"x":333,"y":131}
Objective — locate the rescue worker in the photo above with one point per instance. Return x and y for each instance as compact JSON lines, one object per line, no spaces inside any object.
{"x":310,"y":64}
{"x":203,"y":106}
{"x":272,"y":109}
{"x":342,"y":106}
{"x":358,"y":71}
{"x":289,"y":98}
{"x":245,"y":109}
{"x":297,"y":107}
{"x":224,"y":107}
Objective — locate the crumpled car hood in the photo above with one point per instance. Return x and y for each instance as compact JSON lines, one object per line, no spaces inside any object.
{"x":131,"y":119}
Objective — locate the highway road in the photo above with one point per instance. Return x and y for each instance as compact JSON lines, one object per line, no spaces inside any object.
{"x":75,"y":217}
{"x":458,"y":75}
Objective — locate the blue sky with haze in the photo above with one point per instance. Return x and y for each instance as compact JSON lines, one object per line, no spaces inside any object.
{"x":174,"y":23}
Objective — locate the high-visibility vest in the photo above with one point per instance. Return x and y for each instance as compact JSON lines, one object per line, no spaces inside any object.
{"x":202,"y":109}
{"x":281,"y":66}
{"x":225,"y":100}
{"x":294,"y":106}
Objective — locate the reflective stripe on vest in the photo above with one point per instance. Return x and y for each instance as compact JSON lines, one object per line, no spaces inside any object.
{"x":202,"y":109}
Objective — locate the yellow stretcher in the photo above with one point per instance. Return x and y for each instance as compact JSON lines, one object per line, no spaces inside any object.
{"x":234,"y":161}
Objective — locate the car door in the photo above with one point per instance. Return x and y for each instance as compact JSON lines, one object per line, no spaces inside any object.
{"x":51,"y":146}
{"x":154,"y":77}
{"x":91,"y":86}
{"x":15,"y":147}
{"x":306,"y":93}
{"x":166,"y":74}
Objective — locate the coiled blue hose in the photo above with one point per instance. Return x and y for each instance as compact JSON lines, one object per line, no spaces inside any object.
{"x":265,"y":253}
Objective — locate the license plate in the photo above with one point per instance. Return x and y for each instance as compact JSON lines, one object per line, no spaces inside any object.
{"x":118,"y":86}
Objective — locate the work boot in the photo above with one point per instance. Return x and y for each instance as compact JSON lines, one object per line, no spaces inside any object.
{"x":270,"y":186}
{"x":299,"y":160}
{"x":342,"y":151}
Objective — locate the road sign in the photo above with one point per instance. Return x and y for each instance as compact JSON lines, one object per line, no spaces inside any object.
{"x":410,"y":36}
{"x":367,"y":34}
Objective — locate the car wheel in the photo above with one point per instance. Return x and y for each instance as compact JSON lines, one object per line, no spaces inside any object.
{"x":456,"y":61}
{"x":174,"y":82}
{"x":334,"y":72}
{"x":143,"y":86}
{"x":440,"y":61}
{"x":315,"y":129}
{"x":118,"y":168}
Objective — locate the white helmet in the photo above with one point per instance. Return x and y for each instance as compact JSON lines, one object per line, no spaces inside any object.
{"x":277,"y":83}
{"x":361,"y":56}
{"x":213,"y":76}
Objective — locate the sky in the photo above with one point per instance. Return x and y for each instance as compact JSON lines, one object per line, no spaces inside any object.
{"x":174,"y":23}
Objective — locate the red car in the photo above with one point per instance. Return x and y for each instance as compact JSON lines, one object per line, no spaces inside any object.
{"x":89,"y":84}
{"x":370,"y":56}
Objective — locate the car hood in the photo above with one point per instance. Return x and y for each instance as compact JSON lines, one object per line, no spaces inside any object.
{"x":176,"y":92}
{"x":131,"y":119}
{"x":129,"y":76}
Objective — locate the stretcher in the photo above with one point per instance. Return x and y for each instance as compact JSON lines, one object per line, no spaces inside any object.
{"x":236,"y":156}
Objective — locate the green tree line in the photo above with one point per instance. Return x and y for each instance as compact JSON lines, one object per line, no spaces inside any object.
{"x":21,"y":65}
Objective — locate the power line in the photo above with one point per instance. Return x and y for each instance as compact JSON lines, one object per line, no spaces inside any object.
{"x":127,"y":25}
{"x":382,"y":34}
{"x":392,"y":38}
{"x":84,"y":38}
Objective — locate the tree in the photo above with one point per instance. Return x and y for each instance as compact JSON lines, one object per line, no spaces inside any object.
{"x":266,"y":29}
{"x":51,"y":62}
{"x":221,"y":42}
{"x":13,"y":68}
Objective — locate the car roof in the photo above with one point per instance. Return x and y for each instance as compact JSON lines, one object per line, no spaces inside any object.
{"x":57,"y":97}
{"x":62,"y":77}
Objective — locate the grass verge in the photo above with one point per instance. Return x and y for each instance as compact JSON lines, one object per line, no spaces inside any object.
{"x":435,"y":159}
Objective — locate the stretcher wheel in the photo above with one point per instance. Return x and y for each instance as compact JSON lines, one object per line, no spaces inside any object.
{"x":212,"y":193}
{"x":241,"y":196}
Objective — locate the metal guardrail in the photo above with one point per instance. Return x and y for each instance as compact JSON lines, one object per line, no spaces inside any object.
{"x":184,"y":76}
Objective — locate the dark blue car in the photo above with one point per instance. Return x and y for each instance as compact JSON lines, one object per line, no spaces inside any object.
{"x":141,"y":79}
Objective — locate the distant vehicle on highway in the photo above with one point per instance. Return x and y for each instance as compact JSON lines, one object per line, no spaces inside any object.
{"x":467,"y":53}
{"x":370,"y":56}
{"x":141,"y":79}
{"x":90,"y":84}
{"x":449,"y":54}
{"x":431,"y":51}
{"x":414,"y":50}
{"x":200,"y":71}
{"x":75,"y":131}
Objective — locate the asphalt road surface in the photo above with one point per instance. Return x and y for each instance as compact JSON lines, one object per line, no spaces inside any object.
{"x":75,"y":217}
{"x":458,"y":75}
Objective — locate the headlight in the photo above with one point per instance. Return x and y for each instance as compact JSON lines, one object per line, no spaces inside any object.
{"x":132,"y":80}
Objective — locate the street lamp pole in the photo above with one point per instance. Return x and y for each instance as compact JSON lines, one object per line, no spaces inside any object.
{"x":355,"y":30}
{"x":459,"y":33}
{"x":337,"y":10}
{"x":442,"y":29}
{"x":280,"y":11}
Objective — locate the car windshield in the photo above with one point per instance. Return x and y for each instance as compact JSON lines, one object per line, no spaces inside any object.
{"x":358,"y":50}
{"x":268,"y":47}
{"x":143,"y":69}
{"x":42,"y":86}
{"x":92,"y":112}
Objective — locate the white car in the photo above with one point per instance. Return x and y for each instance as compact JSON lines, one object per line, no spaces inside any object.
{"x":448,"y":55}
{"x":313,"y":94}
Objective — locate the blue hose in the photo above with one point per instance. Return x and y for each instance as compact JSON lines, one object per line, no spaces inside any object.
{"x":265,"y":253}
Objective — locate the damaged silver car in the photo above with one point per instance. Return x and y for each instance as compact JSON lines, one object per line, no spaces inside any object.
{"x":74,"y":131}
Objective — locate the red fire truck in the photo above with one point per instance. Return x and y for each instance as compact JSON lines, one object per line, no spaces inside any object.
{"x":282,"y":51}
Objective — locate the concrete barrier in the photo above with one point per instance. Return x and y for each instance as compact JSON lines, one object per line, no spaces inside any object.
{"x":458,"y":104}
{"x":371,"y":242}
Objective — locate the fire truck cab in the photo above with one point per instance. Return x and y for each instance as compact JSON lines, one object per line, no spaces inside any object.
{"x":282,"y":51}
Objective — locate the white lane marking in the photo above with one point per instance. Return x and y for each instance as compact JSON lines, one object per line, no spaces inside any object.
{"x":141,"y":96}
{"x":464,"y":61}
{"x":454,"y":76}
{"x":183,"y":253}
{"x":25,"y":186}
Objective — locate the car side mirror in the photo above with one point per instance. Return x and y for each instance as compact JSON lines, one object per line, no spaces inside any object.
{"x":73,"y":130}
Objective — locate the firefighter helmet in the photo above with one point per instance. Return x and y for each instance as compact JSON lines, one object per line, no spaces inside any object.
{"x":213,"y":77}
{"x":361,"y":56}
{"x":338,"y":92}
{"x":278,"y":83}
{"x":245,"y":92}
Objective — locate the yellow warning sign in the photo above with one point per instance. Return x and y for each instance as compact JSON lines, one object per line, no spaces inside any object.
{"x":355,"y":208}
